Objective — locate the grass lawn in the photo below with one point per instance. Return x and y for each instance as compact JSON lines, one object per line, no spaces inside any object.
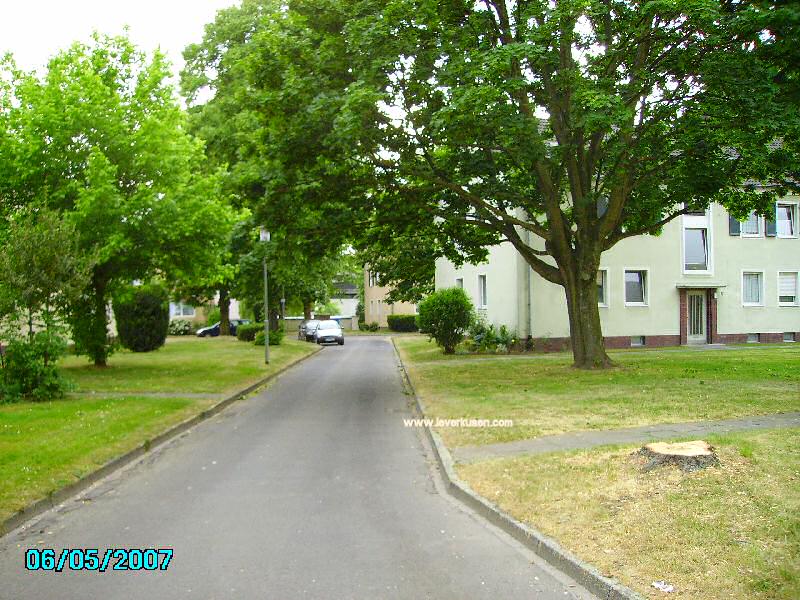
{"x":543,"y":394}
{"x":44,"y":446}
{"x":184,"y":364}
{"x":726,"y":532}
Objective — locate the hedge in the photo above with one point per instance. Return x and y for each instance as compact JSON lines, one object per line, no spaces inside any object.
{"x":402,"y":322}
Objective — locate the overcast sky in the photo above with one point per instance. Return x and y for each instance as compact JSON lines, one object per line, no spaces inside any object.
{"x":35,"y":30}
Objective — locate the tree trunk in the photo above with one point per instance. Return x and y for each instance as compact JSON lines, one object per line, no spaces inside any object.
{"x":586,"y":334}
{"x":98,"y":348}
{"x":307,"y":309}
{"x":224,"y":312}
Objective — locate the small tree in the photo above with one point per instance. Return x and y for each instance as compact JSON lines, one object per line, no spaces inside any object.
{"x":142,"y":315}
{"x":445,"y":316}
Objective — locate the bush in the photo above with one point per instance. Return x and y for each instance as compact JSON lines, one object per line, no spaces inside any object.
{"x":248,"y":332}
{"x":403,"y":322}
{"x":214,"y":317}
{"x":142,"y":314}
{"x":181,"y":327}
{"x":275,"y":337}
{"x":445,"y":316}
{"x":27,"y":368}
{"x":373,"y":326}
{"x":486,"y":338}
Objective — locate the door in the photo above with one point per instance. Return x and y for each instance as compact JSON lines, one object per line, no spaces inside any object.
{"x":697,"y":325}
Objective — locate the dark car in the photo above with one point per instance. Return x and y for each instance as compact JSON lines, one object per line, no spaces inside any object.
{"x":213,"y":330}
{"x":306,"y":331}
{"x":329,"y":332}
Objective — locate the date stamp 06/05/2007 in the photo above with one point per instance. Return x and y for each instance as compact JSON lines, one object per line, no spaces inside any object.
{"x":92,"y":559}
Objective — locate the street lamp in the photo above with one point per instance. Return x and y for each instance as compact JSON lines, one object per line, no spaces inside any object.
{"x":264,"y":237}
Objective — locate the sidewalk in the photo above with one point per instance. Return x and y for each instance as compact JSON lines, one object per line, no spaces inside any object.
{"x":581,"y":440}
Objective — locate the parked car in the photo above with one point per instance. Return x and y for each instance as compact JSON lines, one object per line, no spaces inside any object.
{"x":306,"y":331}
{"x":328,"y":332}
{"x":213,"y":330}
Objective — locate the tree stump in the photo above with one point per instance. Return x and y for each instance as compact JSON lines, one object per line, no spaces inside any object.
{"x":688,"y":456}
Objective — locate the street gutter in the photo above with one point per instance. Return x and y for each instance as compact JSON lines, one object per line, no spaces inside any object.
{"x":547,"y":548}
{"x":60,"y":496}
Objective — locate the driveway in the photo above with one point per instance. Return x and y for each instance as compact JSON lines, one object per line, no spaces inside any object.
{"x":311,"y":489}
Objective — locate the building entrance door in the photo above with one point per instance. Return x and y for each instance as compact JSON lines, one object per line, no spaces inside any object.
{"x":697,"y":327}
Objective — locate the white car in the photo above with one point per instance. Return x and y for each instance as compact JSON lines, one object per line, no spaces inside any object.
{"x":329,"y":332}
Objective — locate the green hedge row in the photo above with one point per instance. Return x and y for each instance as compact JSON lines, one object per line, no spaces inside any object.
{"x":402,"y":322}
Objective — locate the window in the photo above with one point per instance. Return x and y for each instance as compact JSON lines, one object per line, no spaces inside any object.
{"x":789,"y":336}
{"x":753,"y":338}
{"x":482,"y":298}
{"x":460,"y":282}
{"x":602,"y":287}
{"x":637,"y":340}
{"x":695,"y":249}
{"x":636,"y":287}
{"x":752,"y":226}
{"x":752,"y":289}
{"x":787,"y":289}
{"x":786,"y":219}
{"x":373,"y":279}
{"x":183,"y":310}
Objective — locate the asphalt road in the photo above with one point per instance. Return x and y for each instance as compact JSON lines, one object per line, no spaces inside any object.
{"x":314,"y":488}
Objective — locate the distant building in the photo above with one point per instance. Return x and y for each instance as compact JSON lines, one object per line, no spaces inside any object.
{"x":346,"y":296}
{"x":376,"y":307}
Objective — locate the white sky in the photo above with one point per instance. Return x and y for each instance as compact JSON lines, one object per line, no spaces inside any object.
{"x":35,"y":30}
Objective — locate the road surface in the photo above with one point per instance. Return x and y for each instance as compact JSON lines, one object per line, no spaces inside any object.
{"x":313,"y":488}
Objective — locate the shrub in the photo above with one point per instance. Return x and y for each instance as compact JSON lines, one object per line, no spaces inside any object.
{"x":486,"y":338}
{"x":445,"y":316}
{"x":275,"y":337}
{"x":403,"y":322}
{"x":214,"y":317}
{"x":248,"y":332}
{"x":142,"y":314}
{"x":181,"y":327}
{"x":27,"y":368}
{"x":373,"y":326}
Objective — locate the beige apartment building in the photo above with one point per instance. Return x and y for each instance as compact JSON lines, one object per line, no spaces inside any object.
{"x":376,"y":308}
{"x":707,"y":278}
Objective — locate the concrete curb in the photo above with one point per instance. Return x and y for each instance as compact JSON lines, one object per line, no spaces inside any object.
{"x":63,"y":494}
{"x":547,"y":548}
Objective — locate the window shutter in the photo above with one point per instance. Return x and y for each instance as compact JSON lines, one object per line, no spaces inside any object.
{"x":734,"y":227}
{"x":771,"y":229}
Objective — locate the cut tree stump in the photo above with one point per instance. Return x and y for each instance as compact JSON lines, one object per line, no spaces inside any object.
{"x":688,"y":456}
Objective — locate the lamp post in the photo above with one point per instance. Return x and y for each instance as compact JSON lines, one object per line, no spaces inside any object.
{"x":264,"y":237}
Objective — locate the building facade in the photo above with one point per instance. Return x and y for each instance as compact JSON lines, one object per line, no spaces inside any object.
{"x":376,"y":308}
{"x":706,"y":279}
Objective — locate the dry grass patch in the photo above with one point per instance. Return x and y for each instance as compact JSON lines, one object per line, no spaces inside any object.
{"x":726,"y":532}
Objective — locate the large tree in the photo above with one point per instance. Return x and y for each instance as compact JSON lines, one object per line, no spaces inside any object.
{"x":565,"y":126}
{"x":265,"y":91}
{"x":100,"y":138}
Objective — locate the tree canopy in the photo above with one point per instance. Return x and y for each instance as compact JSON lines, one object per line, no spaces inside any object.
{"x":564,"y":127}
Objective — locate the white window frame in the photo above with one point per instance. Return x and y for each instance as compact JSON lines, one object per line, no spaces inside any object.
{"x":762,"y":290}
{"x":794,"y":205}
{"x":758,"y":234}
{"x":178,"y":307}
{"x":483,"y":291}
{"x":460,"y":282}
{"x":796,"y":287}
{"x":606,"y":289}
{"x":647,"y":284}
{"x":698,"y":222}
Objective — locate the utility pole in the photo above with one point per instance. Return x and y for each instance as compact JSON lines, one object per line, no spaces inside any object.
{"x":265,"y":239}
